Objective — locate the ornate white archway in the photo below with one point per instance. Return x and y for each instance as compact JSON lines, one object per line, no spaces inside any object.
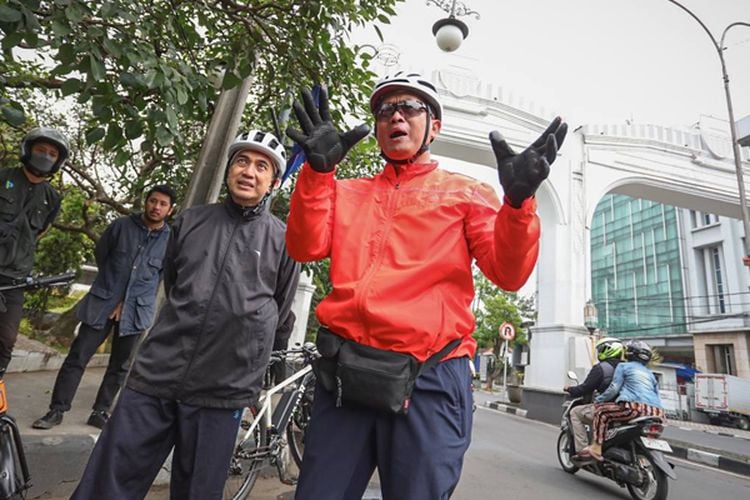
{"x":685,"y":168}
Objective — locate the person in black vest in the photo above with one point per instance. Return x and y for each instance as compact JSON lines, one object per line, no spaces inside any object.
{"x":122,"y":300}
{"x":28,"y":205}
{"x":609,"y":351}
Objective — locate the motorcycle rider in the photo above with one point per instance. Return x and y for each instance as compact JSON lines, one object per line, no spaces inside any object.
{"x":637,"y":393}
{"x":609,"y":351}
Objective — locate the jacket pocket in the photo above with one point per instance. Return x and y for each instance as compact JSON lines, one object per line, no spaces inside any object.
{"x":37,"y":218}
{"x":7,"y":205}
{"x":99,"y":292}
{"x":144,"y":311}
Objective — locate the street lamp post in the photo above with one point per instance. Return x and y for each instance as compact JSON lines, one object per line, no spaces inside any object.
{"x":720,"y":48}
{"x":591,"y":321}
{"x":590,"y":316}
{"x":450,"y":32}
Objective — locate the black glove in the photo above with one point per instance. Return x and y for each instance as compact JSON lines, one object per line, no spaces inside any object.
{"x":521,"y":174}
{"x":324,"y":147}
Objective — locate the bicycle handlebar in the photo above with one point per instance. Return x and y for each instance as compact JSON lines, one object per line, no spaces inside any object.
{"x":308,"y":350}
{"x":40,"y":282}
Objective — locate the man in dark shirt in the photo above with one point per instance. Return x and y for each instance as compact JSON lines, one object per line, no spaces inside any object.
{"x":609,"y":351}
{"x":28,"y":205}
{"x":122,"y":298}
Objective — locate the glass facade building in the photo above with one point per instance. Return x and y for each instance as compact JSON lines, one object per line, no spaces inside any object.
{"x":636,"y":270}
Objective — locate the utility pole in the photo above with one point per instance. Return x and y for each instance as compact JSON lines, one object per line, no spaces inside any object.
{"x":208,"y":173}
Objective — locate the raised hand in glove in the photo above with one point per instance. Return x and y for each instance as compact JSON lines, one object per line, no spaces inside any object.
{"x":521,"y":174}
{"x":324,"y":147}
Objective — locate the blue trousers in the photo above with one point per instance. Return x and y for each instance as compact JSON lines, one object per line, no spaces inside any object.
{"x":418,"y":455}
{"x":138,"y":438}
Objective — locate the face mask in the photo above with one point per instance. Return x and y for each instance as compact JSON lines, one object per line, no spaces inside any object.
{"x":41,"y":162}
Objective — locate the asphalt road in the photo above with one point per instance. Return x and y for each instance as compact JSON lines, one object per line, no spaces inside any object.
{"x":513,"y":457}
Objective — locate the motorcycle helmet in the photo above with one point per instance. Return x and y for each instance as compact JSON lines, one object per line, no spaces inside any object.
{"x":609,"y":348}
{"x":44,"y":134}
{"x":637,"y":350}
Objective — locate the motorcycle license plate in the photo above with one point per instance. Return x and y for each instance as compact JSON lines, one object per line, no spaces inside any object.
{"x":656,"y":444}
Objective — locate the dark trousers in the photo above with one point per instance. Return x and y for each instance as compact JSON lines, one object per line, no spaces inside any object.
{"x":418,"y":455}
{"x":138,"y":438}
{"x":9,"y":321}
{"x":83,"y":348}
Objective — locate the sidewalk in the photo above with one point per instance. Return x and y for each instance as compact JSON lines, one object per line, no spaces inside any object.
{"x":684,"y":437}
{"x":57,"y":457}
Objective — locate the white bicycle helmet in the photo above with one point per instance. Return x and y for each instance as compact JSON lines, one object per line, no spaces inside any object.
{"x":50,"y":135}
{"x":263,"y":142}
{"x":407,"y":82}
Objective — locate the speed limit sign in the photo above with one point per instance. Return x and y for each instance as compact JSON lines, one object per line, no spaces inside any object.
{"x":507,"y":331}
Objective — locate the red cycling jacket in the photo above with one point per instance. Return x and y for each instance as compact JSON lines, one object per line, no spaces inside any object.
{"x":401,"y":246}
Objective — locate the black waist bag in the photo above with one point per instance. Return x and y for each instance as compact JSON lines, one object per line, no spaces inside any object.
{"x":379,"y":379}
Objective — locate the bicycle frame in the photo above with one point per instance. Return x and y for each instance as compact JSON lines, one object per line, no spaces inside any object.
{"x":261,"y":438}
{"x":265,"y":412}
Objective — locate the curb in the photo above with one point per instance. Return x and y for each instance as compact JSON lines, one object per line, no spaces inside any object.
{"x":722,"y":461}
{"x":513,"y":410}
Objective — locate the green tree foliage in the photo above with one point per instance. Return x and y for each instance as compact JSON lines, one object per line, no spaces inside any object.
{"x":139,"y":81}
{"x":149,"y":71}
{"x":146,"y":75}
{"x":492,"y":307}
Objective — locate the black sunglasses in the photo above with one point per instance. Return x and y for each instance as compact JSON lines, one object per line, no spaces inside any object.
{"x":408,"y":108}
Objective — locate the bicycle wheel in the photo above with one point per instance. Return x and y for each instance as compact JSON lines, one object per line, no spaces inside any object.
{"x":295,"y":432}
{"x":247,"y":462}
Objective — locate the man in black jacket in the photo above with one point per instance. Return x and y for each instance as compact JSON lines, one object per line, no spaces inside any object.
{"x":229,"y":284}
{"x":28,"y":205}
{"x":609,"y":351}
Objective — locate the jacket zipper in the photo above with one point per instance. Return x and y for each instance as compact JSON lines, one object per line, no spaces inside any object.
{"x":181,"y":391}
{"x":379,"y":254}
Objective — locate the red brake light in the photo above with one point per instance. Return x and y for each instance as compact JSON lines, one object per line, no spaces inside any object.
{"x":654,"y":429}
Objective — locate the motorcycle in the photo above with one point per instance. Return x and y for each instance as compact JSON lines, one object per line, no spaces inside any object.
{"x":632,"y":451}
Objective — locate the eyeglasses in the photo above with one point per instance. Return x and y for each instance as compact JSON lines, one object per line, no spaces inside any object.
{"x":408,"y":108}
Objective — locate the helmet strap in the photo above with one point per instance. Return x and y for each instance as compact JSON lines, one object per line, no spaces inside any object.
{"x":423,"y":148}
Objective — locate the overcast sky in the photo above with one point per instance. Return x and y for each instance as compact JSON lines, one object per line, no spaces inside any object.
{"x":593,"y":61}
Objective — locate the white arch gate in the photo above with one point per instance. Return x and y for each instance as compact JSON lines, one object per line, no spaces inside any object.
{"x":683,"y":168}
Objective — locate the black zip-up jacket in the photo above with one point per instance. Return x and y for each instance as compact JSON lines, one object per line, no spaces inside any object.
{"x":597,"y":380}
{"x":229,"y":284}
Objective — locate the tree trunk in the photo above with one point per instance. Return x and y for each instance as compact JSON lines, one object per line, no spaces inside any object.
{"x":62,"y":332}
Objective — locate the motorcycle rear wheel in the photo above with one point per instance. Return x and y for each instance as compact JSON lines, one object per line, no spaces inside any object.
{"x":656,"y":487}
{"x":563,"y":453}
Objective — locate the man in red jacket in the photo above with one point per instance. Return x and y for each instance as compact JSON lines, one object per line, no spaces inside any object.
{"x":401,"y":246}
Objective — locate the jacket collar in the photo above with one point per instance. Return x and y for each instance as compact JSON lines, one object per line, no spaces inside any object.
{"x":246,"y":213}
{"x":138,"y":221}
{"x":403,"y":173}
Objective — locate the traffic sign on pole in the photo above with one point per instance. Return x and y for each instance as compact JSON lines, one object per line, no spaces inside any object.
{"x":507,"y":331}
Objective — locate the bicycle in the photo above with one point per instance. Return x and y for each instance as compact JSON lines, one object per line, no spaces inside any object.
{"x":262,"y":440}
{"x":15,"y":478}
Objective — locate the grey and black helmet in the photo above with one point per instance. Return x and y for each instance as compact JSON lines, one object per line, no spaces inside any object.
{"x":637,"y":350}
{"x":49,"y":135}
